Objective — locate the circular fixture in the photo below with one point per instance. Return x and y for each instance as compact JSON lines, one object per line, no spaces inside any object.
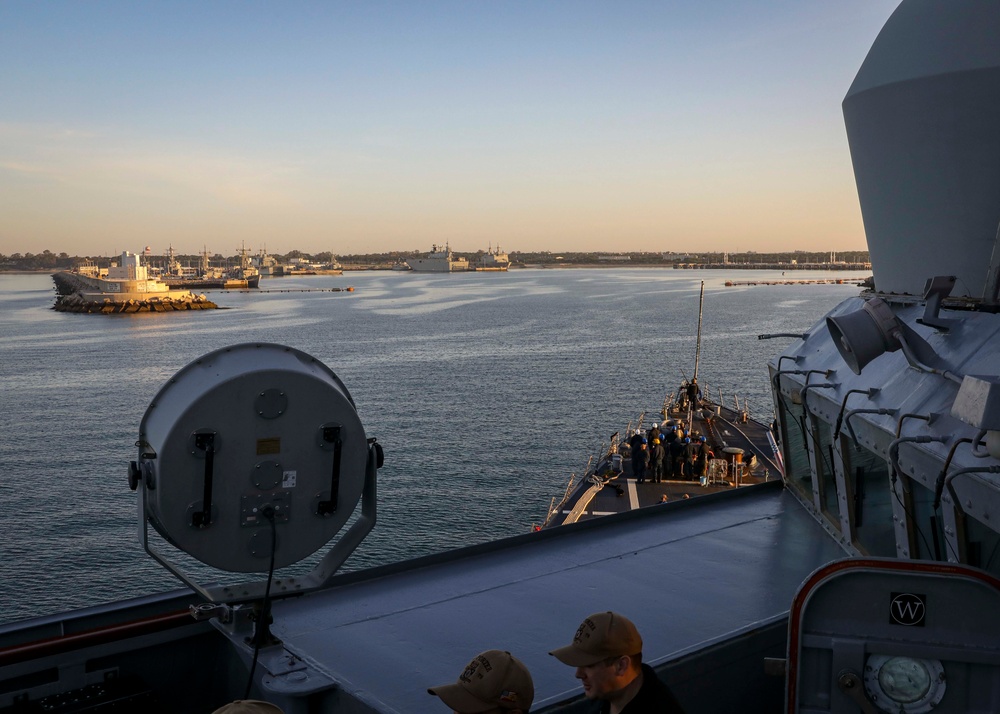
{"x":249,"y":448}
{"x":904,"y":684}
{"x":865,"y":334}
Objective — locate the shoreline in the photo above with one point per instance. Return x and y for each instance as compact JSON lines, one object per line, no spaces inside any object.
{"x":833,"y":267}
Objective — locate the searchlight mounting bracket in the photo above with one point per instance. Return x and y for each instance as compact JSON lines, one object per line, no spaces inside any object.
{"x":935,"y":290}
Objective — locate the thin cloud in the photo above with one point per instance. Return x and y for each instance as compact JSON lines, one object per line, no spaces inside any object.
{"x":95,"y":161}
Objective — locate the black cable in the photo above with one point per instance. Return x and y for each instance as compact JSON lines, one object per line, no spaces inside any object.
{"x":843,"y":407}
{"x":912,"y":516}
{"x":265,"y":609}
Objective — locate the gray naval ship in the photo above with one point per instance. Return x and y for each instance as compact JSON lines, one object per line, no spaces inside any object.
{"x":864,"y":581}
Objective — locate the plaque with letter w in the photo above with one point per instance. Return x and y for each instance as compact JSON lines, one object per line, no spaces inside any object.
{"x":908,"y":609}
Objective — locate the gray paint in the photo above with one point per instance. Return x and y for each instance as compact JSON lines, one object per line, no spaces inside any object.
{"x":922,"y":117}
{"x":688,"y":577}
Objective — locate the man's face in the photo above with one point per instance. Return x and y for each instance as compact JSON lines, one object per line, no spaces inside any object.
{"x":601,"y":679}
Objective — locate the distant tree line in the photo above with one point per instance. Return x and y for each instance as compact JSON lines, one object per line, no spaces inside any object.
{"x":47,"y":260}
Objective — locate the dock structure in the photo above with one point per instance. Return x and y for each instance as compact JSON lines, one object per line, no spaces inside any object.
{"x":838,"y":266}
{"x":106,"y":306}
{"x":820,"y":281}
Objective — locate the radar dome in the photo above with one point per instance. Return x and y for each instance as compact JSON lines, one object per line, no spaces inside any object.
{"x":923,"y":122}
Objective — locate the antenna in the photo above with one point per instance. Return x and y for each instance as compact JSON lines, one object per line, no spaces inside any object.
{"x":697,"y":351}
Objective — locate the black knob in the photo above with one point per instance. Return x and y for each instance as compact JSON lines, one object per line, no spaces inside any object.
{"x":134,"y":474}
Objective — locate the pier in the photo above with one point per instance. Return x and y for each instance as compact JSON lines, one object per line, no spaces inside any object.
{"x":293,"y":290}
{"x":821,"y":281}
{"x":106,"y":306}
{"x":123,"y":289}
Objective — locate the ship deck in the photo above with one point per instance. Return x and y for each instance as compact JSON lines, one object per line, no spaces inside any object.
{"x":690,"y":574}
{"x":624,"y":493}
{"x":708,"y":581}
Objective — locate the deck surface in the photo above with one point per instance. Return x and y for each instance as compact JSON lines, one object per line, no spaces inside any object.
{"x":624,"y":493}
{"x":687,"y":574}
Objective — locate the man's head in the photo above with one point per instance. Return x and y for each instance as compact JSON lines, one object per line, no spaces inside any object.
{"x":607,"y":654}
{"x":494,"y":681}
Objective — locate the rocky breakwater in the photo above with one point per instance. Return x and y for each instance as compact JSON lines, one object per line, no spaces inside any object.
{"x":108,"y":295}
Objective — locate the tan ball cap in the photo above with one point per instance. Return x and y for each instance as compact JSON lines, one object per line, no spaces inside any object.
{"x":602,"y":635}
{"x":492,"y":679}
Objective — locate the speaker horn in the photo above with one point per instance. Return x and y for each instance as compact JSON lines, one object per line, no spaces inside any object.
{"x":863,"y":335}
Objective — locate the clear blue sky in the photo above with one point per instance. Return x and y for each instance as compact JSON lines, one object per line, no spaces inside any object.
{"x":376,"y":126}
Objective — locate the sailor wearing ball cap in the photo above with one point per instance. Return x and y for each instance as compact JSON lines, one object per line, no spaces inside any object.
{"x":607,"y":654}
{"x":494,"y":681}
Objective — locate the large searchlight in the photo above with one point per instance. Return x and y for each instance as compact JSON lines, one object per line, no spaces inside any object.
{"x":253,"y":458}
{"x":863,"y":335}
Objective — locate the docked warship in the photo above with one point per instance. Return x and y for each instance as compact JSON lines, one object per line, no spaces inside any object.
{"x":441,"y":259}
{"x":864,"y":581}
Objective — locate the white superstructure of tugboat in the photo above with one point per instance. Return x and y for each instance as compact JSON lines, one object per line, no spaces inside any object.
{"x":865,"y":581}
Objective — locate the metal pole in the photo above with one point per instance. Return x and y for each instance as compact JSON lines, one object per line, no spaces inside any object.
{"x":697,"y":352}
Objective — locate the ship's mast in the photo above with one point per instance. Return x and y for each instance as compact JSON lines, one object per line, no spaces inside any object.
{"x":697,"y":351}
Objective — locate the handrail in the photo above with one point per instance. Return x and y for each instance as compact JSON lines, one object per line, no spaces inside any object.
{"x":92,"y":638}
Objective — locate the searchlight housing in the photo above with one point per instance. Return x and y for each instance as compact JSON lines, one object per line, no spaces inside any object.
{"x":252,"y":458}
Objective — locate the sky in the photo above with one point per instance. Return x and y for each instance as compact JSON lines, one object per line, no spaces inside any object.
{"x":372,"y":126}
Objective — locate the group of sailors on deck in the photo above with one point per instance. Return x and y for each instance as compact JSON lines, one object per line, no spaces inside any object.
{"x":668,"y":452}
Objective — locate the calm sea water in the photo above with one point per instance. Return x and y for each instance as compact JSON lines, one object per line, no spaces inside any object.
{"x":487,"y":391}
